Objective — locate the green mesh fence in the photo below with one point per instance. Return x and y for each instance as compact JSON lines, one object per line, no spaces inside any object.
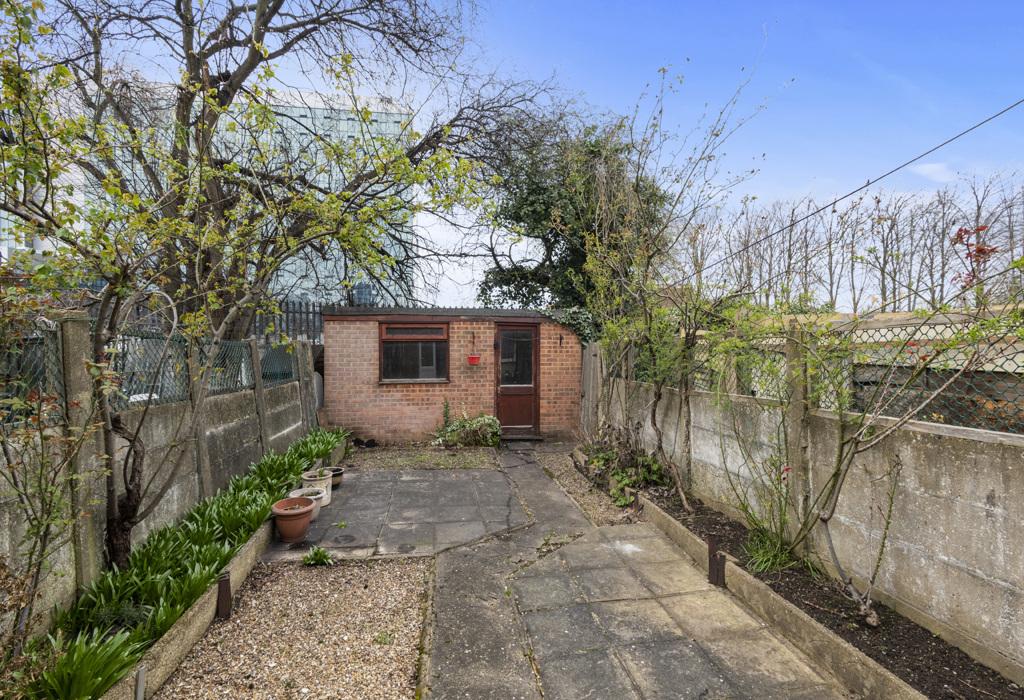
{"x":151,"y":368}
{"x":31,"y":370}
{"x":277,"y":364}
{"x":231,"y":367}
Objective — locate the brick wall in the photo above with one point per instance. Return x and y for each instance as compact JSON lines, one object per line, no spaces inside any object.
{"x":561,"y":358}
{"x":393,"y":413}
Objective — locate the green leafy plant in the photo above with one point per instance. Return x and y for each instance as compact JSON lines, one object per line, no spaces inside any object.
{"x":446,"y":414}
{"x":318,"y":445}
{"x":622,"y":469}
{"x":383,"y":638}
{"x":317,"y":556}
{"x":177,"y":564}
{"x":481,"y":431}
{"x":87,"y":665}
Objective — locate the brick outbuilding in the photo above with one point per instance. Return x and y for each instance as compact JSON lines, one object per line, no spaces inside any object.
{"x":388,"y":372}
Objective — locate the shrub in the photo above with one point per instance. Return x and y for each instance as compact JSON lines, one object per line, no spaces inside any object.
{"x":87,"y":665}
{"x":621,"y":468}
{"x":317,"y":556}
{"x":318,"y":445}
{"x":125,"y":610}
{"x":482,"y":431}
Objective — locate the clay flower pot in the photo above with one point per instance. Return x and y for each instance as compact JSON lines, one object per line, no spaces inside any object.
{"x":315,"y":495}
{"x":336,"y":475}
{"x":315,"y":480}
{"x":292,"y":516}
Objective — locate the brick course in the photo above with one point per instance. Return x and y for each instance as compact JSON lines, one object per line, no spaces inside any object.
{"x":394,"y":413}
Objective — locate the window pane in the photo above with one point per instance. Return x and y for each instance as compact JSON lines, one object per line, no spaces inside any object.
{"x":400,"y":331}
{"x":517,"y":358}
{"x":415,"y":360}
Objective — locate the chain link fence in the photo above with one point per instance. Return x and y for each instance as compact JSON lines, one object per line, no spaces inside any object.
{"x":231,"y":367}
{"x":959,"y":373}
{"x":151,"y":367}
{"x":277,"y":364}
{"x":946,"y":373}
{"x":31,"y":370}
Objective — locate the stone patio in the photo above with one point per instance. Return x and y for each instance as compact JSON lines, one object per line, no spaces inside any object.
{"x":623,"y":613}
{"x":533,"y":601}
{"x":619,"y":612}
{"x":412,"y":512}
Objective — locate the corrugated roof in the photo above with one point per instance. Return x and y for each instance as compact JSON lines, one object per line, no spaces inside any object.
{"x":430,"y":311}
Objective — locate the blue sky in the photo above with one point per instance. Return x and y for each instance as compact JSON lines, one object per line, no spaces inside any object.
{"x":850,"y":89}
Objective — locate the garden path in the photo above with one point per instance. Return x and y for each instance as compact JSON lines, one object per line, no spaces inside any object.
{"x":573,"y":611}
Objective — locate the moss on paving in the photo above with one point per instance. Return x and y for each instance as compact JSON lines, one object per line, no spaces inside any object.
{"x":423,"y":457}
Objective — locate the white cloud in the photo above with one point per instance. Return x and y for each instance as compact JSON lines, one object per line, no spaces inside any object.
{"x":936,"y":172}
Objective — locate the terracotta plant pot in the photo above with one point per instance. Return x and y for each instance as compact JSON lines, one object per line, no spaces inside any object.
{"x":292,"y":516}
{"x":315,"y":495}
{"x":313,"y":480}
{"x":336,"y":475}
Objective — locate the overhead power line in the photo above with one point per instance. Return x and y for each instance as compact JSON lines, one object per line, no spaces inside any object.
{"x":869,"y":183}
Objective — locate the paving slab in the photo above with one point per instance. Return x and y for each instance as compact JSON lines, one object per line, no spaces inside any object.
{"x":595,"y":674}
{"x":611,"y":612}
{"x":409,"y":512}
{"x":674,"y":669}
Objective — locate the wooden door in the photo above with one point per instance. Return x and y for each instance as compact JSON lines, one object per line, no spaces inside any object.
{"x":517,"y":355}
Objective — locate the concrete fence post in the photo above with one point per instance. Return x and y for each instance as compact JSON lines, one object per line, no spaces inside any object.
{"x":204,"y":471}
{"x":88,"y":493}
{"x":307,"y":390}
{"x":796,"y":408}
{"x":260,"y":396}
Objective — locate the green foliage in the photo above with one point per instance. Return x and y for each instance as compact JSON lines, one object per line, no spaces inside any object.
{"x":318,"y":445}
{"x":623,"y":468}
{"x":446,"y":414}
{"x":538,"y":203}
{"x":87,"y":665}
{"x":577,"y":319}
{"x":767,"y":551}
{"x":638,"y":471}
{"x":481,"y":431}
{"x":176,"y":564}
{"x":659,"y":358}
{"x":317,"y":556}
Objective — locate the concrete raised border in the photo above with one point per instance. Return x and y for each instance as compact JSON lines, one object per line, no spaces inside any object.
{"x":850,"y":666}
{"x":426,"y":636}
{"x":162,"y":659}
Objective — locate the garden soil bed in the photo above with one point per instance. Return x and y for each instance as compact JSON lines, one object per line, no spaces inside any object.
{"x":925,"y":661}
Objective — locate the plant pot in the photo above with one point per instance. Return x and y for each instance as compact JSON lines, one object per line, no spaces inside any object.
{"x":315,"y":495}
{"x":336,"y":474}
{"x":313,"y":480}
{"x":473,"y":359}
{"x":292,"y":516}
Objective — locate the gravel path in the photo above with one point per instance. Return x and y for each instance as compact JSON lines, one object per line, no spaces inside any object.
{"x":351,"y":630}
{"x":596,"y":504}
